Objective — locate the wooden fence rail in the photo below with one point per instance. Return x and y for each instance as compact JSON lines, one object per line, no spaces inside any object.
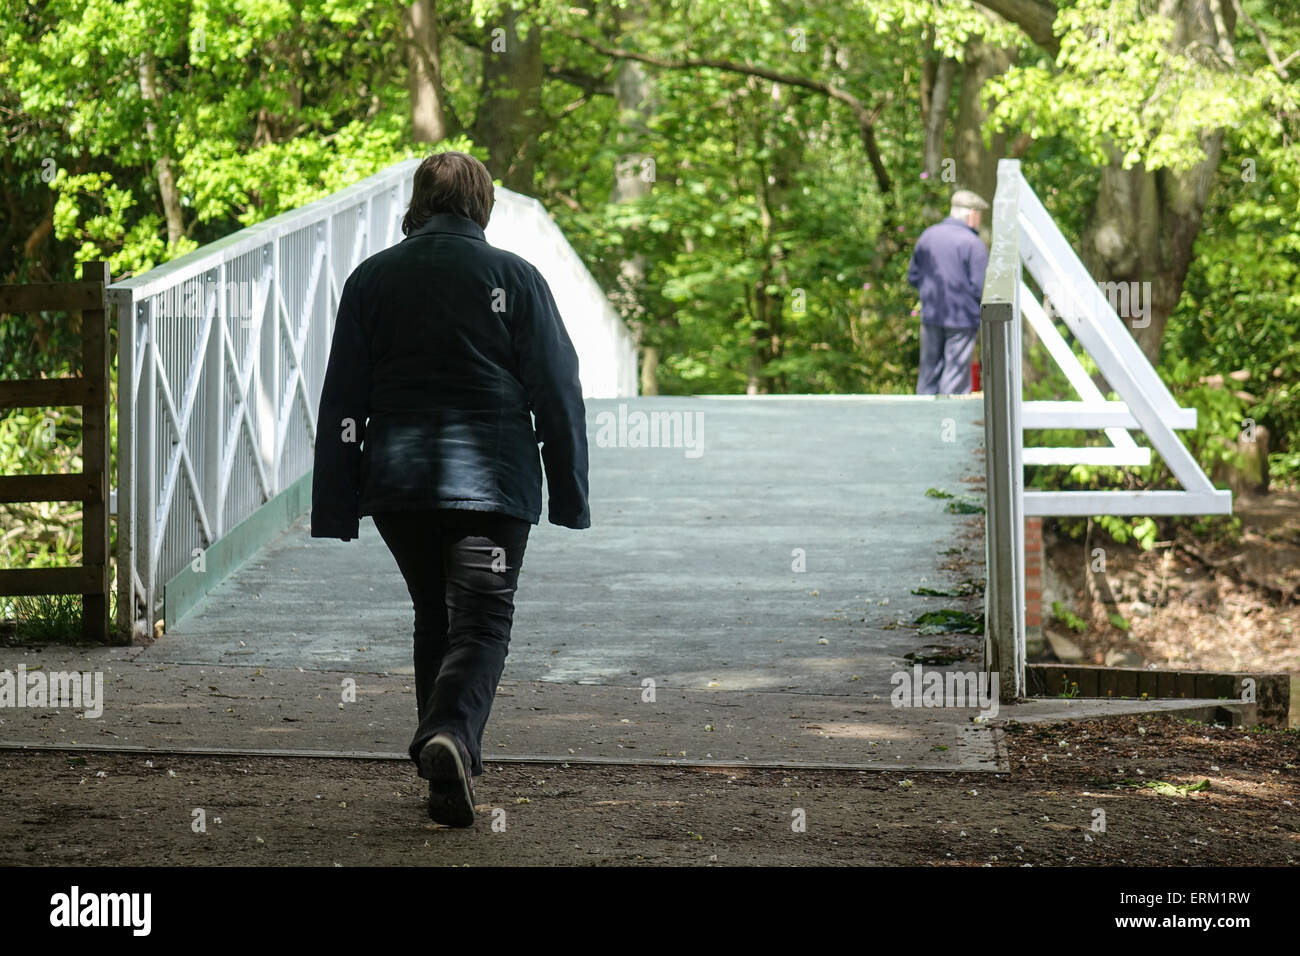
{"x":90,"y":486}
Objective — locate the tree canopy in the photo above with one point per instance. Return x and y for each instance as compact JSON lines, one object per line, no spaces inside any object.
{"x":745,"y":179}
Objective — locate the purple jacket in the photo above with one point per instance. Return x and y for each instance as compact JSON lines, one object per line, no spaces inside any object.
{"x":947,"y":268}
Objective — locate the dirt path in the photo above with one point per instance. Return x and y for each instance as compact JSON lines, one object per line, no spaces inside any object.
{"x":117,"y":809}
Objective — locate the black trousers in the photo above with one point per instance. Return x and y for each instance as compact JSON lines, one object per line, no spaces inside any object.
{"x":461,"y":568}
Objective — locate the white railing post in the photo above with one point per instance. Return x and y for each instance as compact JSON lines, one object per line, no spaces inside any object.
{"x":147,"y":457}
{"x":269,"y":378}
{"x":1004,"y":627}
{"x":124,"y":306}
{"x":214,"y":402}
{"x":320,"y":354}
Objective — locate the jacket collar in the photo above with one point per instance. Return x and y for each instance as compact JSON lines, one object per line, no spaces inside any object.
{"x":957,"y":222}
{"x":450,"y":222}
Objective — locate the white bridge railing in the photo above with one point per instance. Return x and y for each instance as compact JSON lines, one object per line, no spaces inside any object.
{"x":222,"y":355}
{"x":1025,"y":237}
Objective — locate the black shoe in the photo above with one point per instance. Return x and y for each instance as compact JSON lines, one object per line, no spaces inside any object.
{"x":445,"y":763}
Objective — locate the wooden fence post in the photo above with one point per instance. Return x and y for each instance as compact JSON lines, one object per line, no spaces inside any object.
{"x":91,"y":391}
{"x":96,"y":451}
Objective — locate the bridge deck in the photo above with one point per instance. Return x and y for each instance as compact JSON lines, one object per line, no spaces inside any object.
{"x":685,"y":578}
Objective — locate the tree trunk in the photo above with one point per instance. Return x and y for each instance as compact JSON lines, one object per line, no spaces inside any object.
{"x":936,"y":115}
{"x":650,"y":370}
{"x":1142,"y":230}
{"x":509,"y":116}
{"x":778,"y":134}
{"x":171,"y":197}
{"x":424,"y":72}
{"x":633,"y":178}
{"x":977,"y":165}
{"x":936,"y":93}
{"x":44,"y":229}
{"x":1143,"y":225}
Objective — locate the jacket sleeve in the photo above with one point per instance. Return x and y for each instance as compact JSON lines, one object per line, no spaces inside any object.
{"x":341,"y":426}
{"x":914,"y":267}
{"x":976,"y":266}
{"x":548,"y":366}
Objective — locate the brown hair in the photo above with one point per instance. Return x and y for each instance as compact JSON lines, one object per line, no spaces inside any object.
{"x":449,"y":182}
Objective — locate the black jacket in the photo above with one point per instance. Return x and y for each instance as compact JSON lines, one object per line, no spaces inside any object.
{"x":442,"y":346}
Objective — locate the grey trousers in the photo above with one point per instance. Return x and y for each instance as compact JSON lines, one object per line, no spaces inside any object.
{"x":945,"y":360}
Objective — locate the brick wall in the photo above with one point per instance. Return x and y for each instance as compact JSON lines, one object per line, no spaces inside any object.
{"x":1033,"y":583}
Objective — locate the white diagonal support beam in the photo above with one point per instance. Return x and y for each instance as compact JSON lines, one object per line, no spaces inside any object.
{"x":1066,"y":274}
{"x":296,"y":339}
{"x":1077,"y":308}
{"x":179,"y":460}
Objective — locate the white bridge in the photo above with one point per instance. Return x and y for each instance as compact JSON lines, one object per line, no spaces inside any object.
{"x":222,"y":354}
{"x":221,"y":358}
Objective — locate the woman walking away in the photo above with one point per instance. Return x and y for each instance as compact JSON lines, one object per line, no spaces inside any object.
{"x":442,"y":346}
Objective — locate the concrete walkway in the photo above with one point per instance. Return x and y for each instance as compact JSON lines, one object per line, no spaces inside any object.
{"x":685,"y":580}
{"x":761,"y":581}
{"x":685,"y":576}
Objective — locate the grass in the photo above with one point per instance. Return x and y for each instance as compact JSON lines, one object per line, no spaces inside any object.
{"x":45,"y":619}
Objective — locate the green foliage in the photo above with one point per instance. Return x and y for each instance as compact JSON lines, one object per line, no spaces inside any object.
{"x":1240,"y":308}
{"x":258,"y":108}
{"x":764,"y":230}
{"x":775,"y":265}
{"x":773,"y":261}
{"x":1067,"y":617}
{"x":950,"y":621}
{"x":38,"y":442}
{"x":1118,"y":85}
{"x":44,"y":619}
{"x":1174,"y":789}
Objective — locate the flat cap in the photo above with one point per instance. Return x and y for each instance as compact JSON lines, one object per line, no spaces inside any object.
{"x":964,"y":197}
